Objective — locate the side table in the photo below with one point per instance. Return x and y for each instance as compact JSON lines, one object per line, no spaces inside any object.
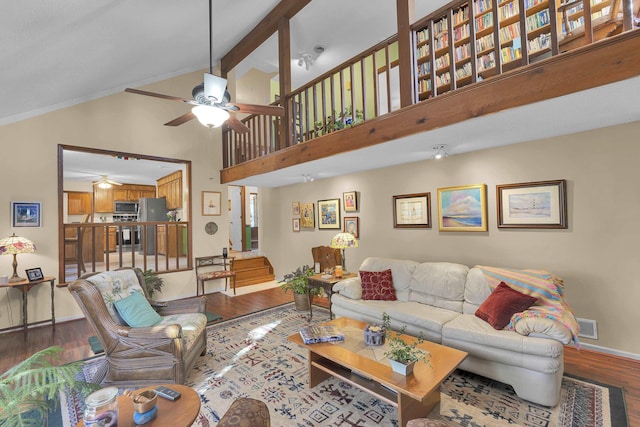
{"x":179,"y":413}
{"x":321,"y":281}
{"x":24,"y":287}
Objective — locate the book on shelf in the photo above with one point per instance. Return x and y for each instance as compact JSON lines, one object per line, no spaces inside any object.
{"x":320,"y":333}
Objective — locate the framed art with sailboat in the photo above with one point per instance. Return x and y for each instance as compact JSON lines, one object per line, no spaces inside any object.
{"x":541,"y":204}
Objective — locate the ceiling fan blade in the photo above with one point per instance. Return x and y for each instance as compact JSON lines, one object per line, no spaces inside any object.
{"x":159,"y":95}
{"x":182,"y":119}
{"x":272,"y":110}
{"x":236,"y":124}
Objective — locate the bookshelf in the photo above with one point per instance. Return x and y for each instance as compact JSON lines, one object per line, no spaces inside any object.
{"x":581,"y":22}
{"x":471,"y":40}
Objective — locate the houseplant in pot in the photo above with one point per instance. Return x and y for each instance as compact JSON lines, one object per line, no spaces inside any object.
{"x":296,"y":282}
{"x":402,"y":355}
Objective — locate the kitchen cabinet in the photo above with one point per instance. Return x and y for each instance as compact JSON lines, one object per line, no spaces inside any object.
{"x":78,"y":203}
{"x":170,"y":186}
{"x":92,"y":249}
{"x":110,"y":239}
{"x":103,"y":199}
{"x":167,"y":240}
{"x":133,"y":192}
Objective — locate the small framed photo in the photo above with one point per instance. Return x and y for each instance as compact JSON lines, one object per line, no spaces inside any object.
{"x":463,"y":208}
{"x":351,"y":225}
{"x":350,"y":201}
{"x":295,"y":208}
{"x":295,"y":222}
{"x":540,"y":204}
{"x":307,"y":215}
{"x":329,"y":214}
{"x":412,"y":210}
{"x":34,"y":274}
{"x":211,"y":203}
{"x":26,"y":214}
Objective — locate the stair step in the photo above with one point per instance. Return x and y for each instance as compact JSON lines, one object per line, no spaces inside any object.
{"x":251,"y":271}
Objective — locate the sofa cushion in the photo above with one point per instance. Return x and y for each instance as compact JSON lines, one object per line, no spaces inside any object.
{"x":503,"y":303}
{"x":136,"y":311}
{"x":440,"y":284}
{"x":401,"y":271}
{"x":350,"y":288}
{"x":192,"y":325}
{"x":377,"y":285}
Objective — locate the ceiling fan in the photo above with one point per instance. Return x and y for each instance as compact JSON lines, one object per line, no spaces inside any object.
{"x":211,"y":100}
{"x":104,"y":182}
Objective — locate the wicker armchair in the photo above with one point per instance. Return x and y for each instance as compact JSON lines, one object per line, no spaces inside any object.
{"x":136,"y":357}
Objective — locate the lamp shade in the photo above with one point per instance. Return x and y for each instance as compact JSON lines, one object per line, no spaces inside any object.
{"x":16,"y":245}
{"x":343,"y":241}
{"x":209,"y":116}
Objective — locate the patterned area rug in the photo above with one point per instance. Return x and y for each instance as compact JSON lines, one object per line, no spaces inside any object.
{"x":251,"y":357}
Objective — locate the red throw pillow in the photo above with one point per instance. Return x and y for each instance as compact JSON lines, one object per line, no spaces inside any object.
{"x":377,"y":285}
{"x":503,"y":303}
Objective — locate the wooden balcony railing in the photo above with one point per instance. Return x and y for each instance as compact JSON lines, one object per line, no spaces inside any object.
{"x":458,"y":45}
{"x":157,"y":246}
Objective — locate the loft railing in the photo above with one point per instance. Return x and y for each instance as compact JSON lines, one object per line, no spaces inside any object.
{"x":157,"y":246}
{"x":461,"y":44}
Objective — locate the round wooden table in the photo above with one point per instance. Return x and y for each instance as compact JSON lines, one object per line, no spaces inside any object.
{"x":178,"y":413}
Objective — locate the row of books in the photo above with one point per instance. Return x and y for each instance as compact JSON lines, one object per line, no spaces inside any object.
{"x":538,"y":20}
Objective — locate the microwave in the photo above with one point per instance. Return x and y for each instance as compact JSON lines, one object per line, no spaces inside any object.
{"x":125,"y":207}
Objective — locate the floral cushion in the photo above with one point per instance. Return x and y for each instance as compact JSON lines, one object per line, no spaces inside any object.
{"x":114,"y":286}
{"x":192,"y":324}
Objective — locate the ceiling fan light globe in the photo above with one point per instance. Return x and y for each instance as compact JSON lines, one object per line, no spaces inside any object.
{"x":212,"y":117}
{"x":104,"y":185}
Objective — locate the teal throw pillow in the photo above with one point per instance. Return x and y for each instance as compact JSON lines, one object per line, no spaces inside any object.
{"x":136,"y":311}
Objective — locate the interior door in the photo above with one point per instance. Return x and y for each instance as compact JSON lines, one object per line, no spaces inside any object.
{"x":235,"y":218}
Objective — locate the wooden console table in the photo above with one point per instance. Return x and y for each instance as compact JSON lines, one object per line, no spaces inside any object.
{"x":25,"y":286}
{"x":321,"y":281}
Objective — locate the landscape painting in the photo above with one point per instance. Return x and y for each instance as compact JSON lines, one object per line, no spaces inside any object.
{"x":462,"y":208}
{"x":532,"y":205}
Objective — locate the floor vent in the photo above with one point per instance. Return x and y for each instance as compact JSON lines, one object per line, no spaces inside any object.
{"x":588,"y":328}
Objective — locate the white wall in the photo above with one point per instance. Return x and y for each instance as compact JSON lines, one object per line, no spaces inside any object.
{"x":597,"y":255}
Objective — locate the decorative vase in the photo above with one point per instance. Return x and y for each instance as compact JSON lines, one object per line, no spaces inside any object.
{"x":301,"y":301}
{"x":401,"y":368}
{"x":374,"y":335}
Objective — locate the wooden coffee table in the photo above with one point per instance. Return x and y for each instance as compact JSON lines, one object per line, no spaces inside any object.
{"x":179,"y":413}
{"x":415,"y":395}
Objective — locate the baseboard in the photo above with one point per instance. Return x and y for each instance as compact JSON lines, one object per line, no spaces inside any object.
{"x":610,"y":351}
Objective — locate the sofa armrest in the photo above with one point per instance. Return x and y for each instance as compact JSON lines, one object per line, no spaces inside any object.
{"x":189,"y":305}
{"x":153,"y":332}
{"x":543,"y":328}
{"x":350,"y":288}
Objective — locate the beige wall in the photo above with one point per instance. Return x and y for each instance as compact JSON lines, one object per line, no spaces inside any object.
{"x":597,"y":255}
{"x":123,"y":122}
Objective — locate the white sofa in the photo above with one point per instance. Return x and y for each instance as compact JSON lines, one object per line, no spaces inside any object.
{"x":438,"y":300}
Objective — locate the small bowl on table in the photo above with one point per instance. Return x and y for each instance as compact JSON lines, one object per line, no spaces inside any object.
{"x":144,"y":401}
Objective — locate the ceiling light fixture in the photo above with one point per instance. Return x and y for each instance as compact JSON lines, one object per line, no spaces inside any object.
{"x":440,"y":151}
{"x":307,"y":178}
{"x":210,"y":116}
{"x":305,"y":59}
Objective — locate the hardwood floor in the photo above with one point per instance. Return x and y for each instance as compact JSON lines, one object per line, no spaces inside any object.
{"x":72,"y":336}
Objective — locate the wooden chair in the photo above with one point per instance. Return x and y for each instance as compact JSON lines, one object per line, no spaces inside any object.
{"x":327,"y":257}
{"x":76,"y":242}
{"x":223,"y":269}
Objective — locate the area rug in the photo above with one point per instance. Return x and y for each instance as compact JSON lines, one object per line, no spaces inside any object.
{"x":251,"y":357}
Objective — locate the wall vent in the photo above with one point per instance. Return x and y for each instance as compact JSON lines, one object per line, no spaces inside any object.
{"x":588,"y":328}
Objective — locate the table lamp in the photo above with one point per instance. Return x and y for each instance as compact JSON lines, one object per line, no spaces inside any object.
{"x":14,"y":245}
{"x":343,"y":241}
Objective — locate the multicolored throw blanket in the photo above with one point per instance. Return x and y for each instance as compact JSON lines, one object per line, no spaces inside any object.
{"x":545,"y":286}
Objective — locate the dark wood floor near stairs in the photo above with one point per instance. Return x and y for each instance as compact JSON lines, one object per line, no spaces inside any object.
{"x":72,"y":336}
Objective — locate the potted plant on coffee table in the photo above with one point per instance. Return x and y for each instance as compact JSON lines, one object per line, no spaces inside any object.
{"x":402,"y":355}
{"x":296,"y":282}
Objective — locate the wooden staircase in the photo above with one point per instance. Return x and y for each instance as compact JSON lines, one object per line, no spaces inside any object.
{"x":250,"y":271}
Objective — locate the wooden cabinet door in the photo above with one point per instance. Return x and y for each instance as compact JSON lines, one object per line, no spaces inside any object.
{"x":110,"y":233}
{"x":103,"y":200}
{"x":120,"y":194}
{"x":162,"y":241}
{"x":78,"y":203}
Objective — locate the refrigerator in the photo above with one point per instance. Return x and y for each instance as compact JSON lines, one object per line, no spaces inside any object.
{"x":151,"y":210}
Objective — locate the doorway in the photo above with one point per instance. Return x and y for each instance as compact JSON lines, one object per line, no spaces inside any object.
{"x":243,"y":218}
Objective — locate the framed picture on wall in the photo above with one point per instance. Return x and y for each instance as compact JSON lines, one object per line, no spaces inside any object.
{"x":462,"y":208}
{"x":541,"y":204}
{"x":350,"y":201}
{"x":329,"y":214}
{"x":295,"y":208}
{"x":295,"y":223}
{"x":26,"y":214}
{"x":211,"y":203}
{"x":307,"y":215}
{"x":412,"y":210}
{"x":351,"y":225}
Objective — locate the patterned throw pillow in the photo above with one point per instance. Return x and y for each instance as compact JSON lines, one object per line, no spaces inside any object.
{"x":377,"y":285}
{"x":503,"y":303}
